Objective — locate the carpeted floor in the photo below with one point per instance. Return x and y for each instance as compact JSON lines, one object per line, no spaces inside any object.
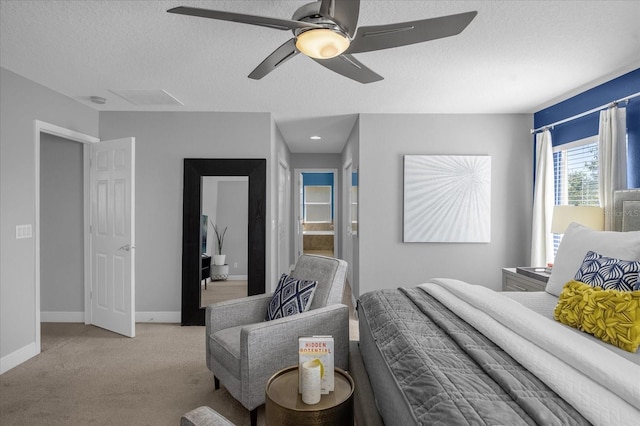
{"x":89,"y":376}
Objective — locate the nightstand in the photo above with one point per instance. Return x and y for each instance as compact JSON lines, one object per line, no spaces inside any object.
{"x":206,"y":269}
{"x":524,"y":279}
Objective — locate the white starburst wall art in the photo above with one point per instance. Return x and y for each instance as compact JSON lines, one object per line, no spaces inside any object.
{"x":447,"y":198}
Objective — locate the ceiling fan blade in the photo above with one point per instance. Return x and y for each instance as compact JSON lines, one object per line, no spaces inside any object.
{"x":325,"y":8}
{"x":278,"y":57}
{"x":263,"y":21}
{"x":350,"y":67}
{"x":380,"y":37}
{"x":344,"y":12}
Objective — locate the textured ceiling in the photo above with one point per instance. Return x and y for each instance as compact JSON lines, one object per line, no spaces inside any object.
{"x":514,"y":57}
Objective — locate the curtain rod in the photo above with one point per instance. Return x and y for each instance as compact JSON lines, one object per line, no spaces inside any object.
{"x":591,"y":111}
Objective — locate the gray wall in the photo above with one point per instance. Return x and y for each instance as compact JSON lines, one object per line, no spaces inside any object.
{"x":163,"y":140}
{"x":386,"y":262}
{"x":315,"y":161}
{"x":22,"y":102}
{"x":232,"y":213}
{"x":61,"y":225}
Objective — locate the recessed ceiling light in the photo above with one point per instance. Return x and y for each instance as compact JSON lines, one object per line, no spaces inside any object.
{"x":315,"y":138}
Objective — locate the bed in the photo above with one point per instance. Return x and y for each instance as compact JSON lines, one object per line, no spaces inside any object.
{"x":450,"y":352}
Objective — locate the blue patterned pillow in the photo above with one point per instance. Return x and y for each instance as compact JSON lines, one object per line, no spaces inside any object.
{"x":609,"y":273}
{"x":292,"y":296}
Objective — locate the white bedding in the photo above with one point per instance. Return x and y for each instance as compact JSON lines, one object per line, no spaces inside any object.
{"x":608,"y":394}
{"x":545,"y":303}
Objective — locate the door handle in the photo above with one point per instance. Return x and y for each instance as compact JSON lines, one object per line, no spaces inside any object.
{"x":127,"y":247}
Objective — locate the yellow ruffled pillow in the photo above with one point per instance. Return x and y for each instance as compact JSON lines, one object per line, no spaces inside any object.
{"x":610,"y":315}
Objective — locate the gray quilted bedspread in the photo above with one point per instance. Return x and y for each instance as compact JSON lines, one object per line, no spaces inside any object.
{"x":450,"y":373}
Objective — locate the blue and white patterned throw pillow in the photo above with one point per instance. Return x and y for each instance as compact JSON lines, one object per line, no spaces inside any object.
{"x":609,"y":273}
{"x":292,"y":296}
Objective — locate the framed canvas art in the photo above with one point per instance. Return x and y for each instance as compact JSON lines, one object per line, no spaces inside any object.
{"x":447,"y":198}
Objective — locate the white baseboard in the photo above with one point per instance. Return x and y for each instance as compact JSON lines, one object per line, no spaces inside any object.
{"x":61,"y":316}
{"x":238,"y":278}
{"x":16,"y":358}
{"x":169,"y":317}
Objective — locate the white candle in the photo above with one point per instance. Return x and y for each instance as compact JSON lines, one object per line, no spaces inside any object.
{"x":311,"y":372}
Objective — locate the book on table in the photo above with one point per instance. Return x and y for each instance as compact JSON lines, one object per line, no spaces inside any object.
{"x":321,"y":348}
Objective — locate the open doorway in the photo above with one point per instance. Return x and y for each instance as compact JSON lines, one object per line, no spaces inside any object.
{"x":70,"y":141}
{"x":62,"y":260}
{"x":317,"y":212}
{"x":70,"y":245}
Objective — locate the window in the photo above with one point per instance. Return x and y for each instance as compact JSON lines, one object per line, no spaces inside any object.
{"x":317,"y":204}
{"x":575,"y":175}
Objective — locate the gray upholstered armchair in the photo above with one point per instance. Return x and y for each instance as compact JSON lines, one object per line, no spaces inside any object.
{"x":244,"y":351}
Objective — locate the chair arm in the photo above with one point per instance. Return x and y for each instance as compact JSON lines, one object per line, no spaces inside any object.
{"x":232,"y":313}
{"x":270,"y":346}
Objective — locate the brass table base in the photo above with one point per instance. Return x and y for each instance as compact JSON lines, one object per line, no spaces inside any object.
{"x":284,"y":406}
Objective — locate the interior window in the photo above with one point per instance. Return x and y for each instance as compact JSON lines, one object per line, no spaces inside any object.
{"x":575,"y":172}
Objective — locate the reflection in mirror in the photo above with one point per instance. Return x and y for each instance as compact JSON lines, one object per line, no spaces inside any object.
{"x":224,"y":267}
{"x":354,"y":202}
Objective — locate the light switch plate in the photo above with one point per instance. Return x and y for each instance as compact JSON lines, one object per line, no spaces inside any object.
{"x":23,"y":231}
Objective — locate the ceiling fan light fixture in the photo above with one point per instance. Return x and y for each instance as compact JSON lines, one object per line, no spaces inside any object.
{"x":322,"y":43}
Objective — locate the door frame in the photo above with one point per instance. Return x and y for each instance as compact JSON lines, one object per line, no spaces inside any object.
{"x":40,"y":127}
{"x":337,"y":232}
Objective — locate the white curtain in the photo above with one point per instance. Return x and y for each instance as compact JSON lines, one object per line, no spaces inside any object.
{"x":612,"y":141}
{"x":541,"y":238}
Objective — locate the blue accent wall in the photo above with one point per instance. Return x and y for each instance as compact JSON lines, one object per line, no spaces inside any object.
{"x":583,"y":127}
{"x":315,"y":179}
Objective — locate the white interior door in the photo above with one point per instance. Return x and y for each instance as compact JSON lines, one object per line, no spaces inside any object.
{"x":299,"y":218}
{"x":113,"y":235}
{"x":347,"y":240}
{"x":284,"y":191}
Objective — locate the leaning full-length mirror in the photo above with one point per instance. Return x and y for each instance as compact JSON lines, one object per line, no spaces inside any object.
{"x":193,"y":228}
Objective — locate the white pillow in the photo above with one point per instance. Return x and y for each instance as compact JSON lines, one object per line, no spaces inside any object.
{"x":575,"y":244}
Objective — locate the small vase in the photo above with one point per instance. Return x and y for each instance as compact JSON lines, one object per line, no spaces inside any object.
{"x":218,"y":259}
{"x":219,"y":272}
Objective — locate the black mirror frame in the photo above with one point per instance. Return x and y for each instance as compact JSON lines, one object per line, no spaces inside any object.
{"x":194,"y":170}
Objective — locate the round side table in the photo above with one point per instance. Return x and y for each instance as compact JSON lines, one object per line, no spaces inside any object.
{"x":284,"y":406}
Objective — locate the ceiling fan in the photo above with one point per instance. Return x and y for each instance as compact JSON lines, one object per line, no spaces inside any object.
{"x":327,"y":32}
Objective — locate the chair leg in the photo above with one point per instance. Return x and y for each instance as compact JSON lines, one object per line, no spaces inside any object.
{"x":253,"y":414}
{"x":216,"y":383}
